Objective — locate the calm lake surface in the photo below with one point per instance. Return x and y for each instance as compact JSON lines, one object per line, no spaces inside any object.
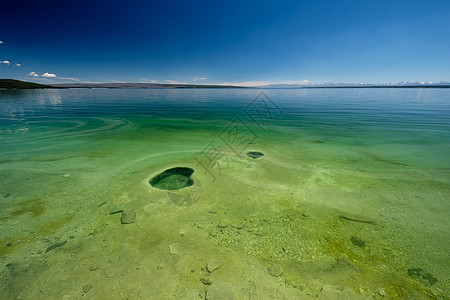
{"x":349,"y":201}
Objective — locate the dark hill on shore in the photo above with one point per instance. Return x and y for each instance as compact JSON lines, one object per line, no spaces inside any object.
{"x":18,"y":84}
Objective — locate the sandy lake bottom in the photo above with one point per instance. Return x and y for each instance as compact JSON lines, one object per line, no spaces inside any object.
{"x":350,"y":199}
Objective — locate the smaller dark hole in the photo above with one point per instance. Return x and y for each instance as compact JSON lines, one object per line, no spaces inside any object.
{"x":255,"y":154}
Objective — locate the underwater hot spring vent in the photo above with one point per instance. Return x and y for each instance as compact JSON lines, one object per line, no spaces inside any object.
{"x":173,"y":179}
{"x":255,"y":154}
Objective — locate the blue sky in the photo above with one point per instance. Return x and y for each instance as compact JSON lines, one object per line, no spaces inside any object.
{"x":250,"y":43}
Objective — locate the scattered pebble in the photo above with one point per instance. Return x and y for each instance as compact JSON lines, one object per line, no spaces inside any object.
{"x":128,"y":217}
{"x":382,"y":292}
{"x":297,"y":285}
{"x":275,"y":270}
{"x":213,"y":265}
{"x":206,"y":281}
{"x":237,"y":225}
{"x":55,"y":245}
{"x":199,"y":226}
{"x":93,"y":267}
{"x":174,"y":248}
{"x":87,"y":287}
{"x":116,"y":209}
{"x":66,"y":175}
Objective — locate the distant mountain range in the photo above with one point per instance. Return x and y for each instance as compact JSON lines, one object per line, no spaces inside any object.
{"x":401,"y":84}
{"x":138,"y":86}
{"x":18,"y":84}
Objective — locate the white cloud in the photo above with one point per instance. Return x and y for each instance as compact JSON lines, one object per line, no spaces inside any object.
{"x":17,"y":65}
{"x":265,"y":83}
{"x":295,"y":82}
{"x":5,"y":62}
{"x":175,"y":82}
{"x":33,"y":74}
{"x":48,"y":75}
{"x":200,"y":78}
{"x":247,"y":83}
{"x":1,"y":42}
{"x":144,"y":80}
{"x":74,"y":79}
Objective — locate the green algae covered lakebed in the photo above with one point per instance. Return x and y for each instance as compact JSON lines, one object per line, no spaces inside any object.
{"x":225,"y":194}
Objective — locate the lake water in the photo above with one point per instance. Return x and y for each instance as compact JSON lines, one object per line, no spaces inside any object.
{"x":349,"y":201}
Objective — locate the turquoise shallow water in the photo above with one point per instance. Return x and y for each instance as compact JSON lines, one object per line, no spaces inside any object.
{"x":350,"y":199}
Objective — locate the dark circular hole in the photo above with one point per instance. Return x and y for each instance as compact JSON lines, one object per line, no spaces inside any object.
{"x":173,"y":179}
{"x":255,"y":154}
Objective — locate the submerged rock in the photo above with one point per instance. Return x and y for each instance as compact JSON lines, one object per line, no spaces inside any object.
{"x":421,"y":275}
{"x":382,"y":292}
{"x":173,"y":179}
{"x":87,"y":287}
{"x":174,"y":249}
{"x":255,"y":154}
{"x":222,"y":225}
{"x":128,"y":217}
{"x":213,"y":265}
{"x":357,"y":241}
{"x":55,"y":245}
{"x":275,"y":270}
{"x":206,"y":281}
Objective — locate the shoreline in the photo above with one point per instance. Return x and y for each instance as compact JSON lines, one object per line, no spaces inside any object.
{"x":12,"y":84}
